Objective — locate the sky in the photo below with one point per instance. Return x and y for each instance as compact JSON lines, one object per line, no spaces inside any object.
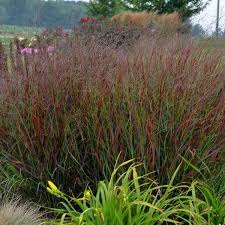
{"x":207,"y":18}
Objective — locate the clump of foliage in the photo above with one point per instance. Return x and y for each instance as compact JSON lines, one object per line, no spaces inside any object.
{"x":127,"y":29}
{"x":113,"y":35}
{"x":161,"y":102}
{"x":103,"y":8}
{"x":186,"y":9}
{"x":36,"y":13}
{"x":164,"y":23}
{"x":129,"y":199}
{"x":15,"y":213}
{"x":43,"y":39}
{"x":3,"y":60}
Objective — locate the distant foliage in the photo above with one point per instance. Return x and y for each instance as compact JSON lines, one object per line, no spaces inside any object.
{"x":198,"y":31}
{"x":185,"y":8}
{"x":103,"y":8}
{"x":165,"y":22}
{"x":41,"y":13}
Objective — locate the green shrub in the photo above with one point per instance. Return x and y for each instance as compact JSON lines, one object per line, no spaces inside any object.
{"x":130,"y":199}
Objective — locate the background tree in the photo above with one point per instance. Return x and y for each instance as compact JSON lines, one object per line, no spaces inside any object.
{"x":16,"y":11}
{"x":104,"y":8}
{"x":186,"y":8}
{"x":221,"y":33}
{"x":41,"y":13}
{"x":33,"y":13}
{"x":198,"y":31}
{"x":3,"y":15}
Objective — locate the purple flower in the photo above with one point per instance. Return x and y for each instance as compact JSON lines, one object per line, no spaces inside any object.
{"x":36,"y":50}
{"x":30,"y":51}
{"x":24,"y":51}
{"x":50,"y":49}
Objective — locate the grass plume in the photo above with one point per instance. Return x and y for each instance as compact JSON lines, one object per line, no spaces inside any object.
{"x":15,"y":213}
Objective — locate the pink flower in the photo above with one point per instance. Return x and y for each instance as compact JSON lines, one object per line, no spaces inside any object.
{"x":26,"y":51}
{"x":50,"y":49}
{"x":36,"y":50}
{"x":30,"y":51}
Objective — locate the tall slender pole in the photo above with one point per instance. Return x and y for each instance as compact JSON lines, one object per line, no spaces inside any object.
{"x":218,"y":18}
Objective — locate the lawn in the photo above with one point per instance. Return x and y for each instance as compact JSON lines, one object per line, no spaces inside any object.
{"x":213,"y":43}
{"x":7,"y":32}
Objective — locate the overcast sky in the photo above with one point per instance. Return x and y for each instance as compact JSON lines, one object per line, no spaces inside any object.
{"x":207,"y":18}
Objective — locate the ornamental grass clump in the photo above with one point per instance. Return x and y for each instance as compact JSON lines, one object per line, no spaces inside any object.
{"x":66,"y":117}
{"x":15,"y":213}
{"x":164,"y":23}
